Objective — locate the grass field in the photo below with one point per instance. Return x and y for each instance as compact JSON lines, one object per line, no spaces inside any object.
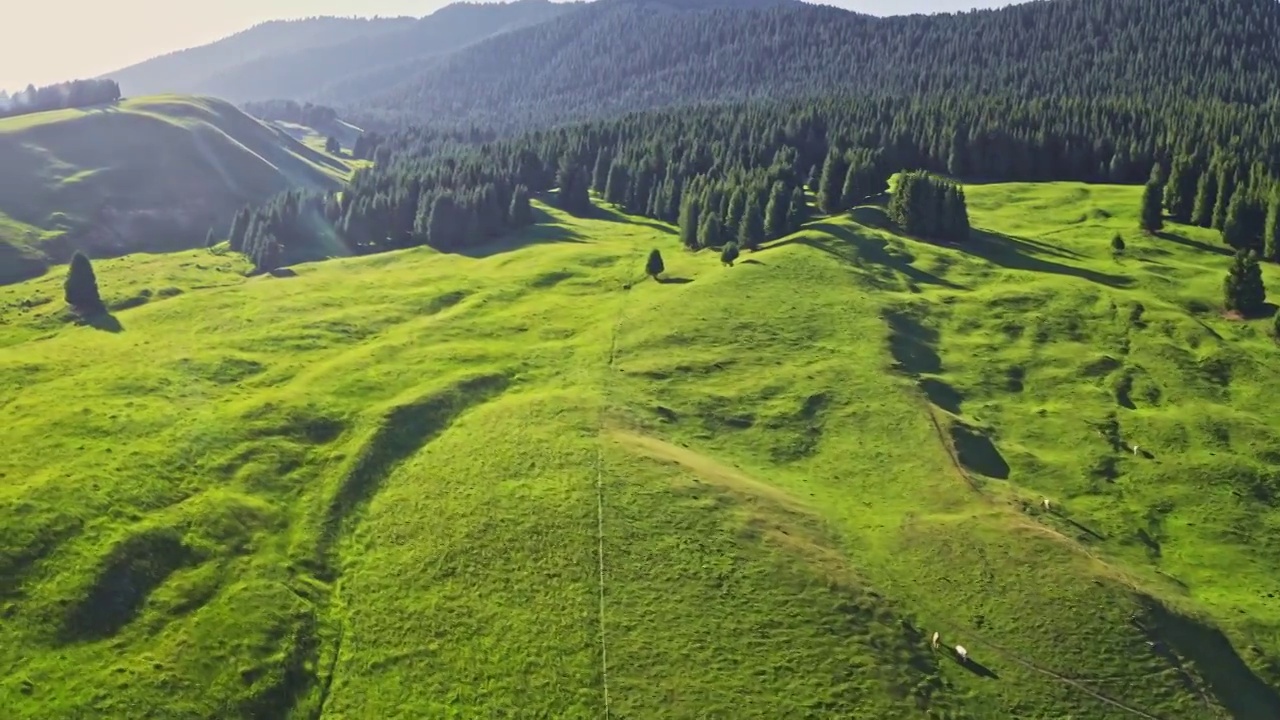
{"x":529,"y":482}
{"x":147,"y":174}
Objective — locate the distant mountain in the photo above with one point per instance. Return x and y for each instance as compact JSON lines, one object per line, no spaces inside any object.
{"x":316,"y":59}
{"x":197,"y":70}
{"x":147,"y":174}
{"x":615,"y":56}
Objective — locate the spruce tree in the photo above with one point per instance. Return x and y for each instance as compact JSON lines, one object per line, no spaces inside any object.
{"x":1180,"y":190}
{"x":775,"y":215}
{"x":654,"y":267}
{"x":751,"y":229}
{"x":737,"y":206}
{"x":615,"y":189}
{"x":831,"y":185}
{"x":81,"y":286}
{"x":851,"y":190}
{"x":1242,"y":290}
{"x":690,"y":222}
{"x":521,"y":211}
{"x":1151,"y":210}
{"x":211,"y":238}
{"x":446,"y":227}
{"x":1271,"y":231}
{"x":1206,"y":195}
{"x":799,"y":213}
{"x":730,"y":254}
{"x":1234,"y":229}
{"x":600,"y":177}
{"x":709,"y":233}
{"x":1226,"y":188}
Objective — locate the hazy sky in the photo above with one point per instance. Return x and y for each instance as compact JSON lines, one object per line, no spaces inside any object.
{"x":48,"y":41}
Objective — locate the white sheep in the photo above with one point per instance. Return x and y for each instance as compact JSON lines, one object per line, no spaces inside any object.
{"x":962,"y":653}
{"x":935,"y":640}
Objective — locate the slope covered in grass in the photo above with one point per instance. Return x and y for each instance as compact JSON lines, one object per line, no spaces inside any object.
{"x":146,"y":174}
{"x":528,"y":481}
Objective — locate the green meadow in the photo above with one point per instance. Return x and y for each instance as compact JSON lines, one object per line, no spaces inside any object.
{"x":529,"y":481}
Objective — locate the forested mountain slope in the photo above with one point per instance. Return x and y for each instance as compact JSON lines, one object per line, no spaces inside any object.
{"x":303,"y":59}
{"x":197,"y":70}
{"x":145,"y":174}
{"x":619,"y":55}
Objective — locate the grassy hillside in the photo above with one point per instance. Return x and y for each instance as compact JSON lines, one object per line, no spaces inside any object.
{"x":146,"y":174}
{"x":529,"y":481}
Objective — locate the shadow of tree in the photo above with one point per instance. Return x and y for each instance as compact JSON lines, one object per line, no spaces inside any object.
{"x":1020,"y":254}
{"x":1194,"y":244}
{"x":103,"y":321}
{"x":859,"y":249}
{"x":674,"y":280}
{"x":607,"y":213}
{"x":545,"y":230}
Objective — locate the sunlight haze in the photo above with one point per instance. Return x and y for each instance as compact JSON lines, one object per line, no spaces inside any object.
{"x":50,"y":42}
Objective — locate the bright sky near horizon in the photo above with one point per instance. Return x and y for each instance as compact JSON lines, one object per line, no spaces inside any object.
{"x":48,"y":41}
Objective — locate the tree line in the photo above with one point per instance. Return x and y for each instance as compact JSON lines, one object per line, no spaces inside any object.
{"x":741,"y":172}
{"x":307,"y":114}
{"x":60,"y":96}
{"x":928,"y":206}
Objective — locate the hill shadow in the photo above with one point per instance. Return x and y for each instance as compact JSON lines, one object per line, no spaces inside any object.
{"x":858,"y":248}
{"x":1187,"y":242}
{"x":1232,"y":682}
{"x":912,"y":344}
{"x":609,"y":214}
{"x":751,"y":261}
{"x":544,"y":231}
{"x":1020,"y":254}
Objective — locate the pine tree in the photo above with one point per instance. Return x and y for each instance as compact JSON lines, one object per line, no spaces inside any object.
{"x":831,"y":185}
{"x":1271,"y":231}
{"x":239,"y":228}
{"x":1206,"y":195}
{"x":733,"y":217}
{"x":775,"y":215}
{"x":1243,"y":291}
{"x":851,"y":190}
{"x":1152,"y":221}
{"x":81,"y":286}
{"x":211,"y":238}
{"x":521,"y":212}
{"x":446,"y":227}
{"x":690,"y":222}
{"x":751,"y":229}
{"x":654,"y":267}
{"x":730,"y":254}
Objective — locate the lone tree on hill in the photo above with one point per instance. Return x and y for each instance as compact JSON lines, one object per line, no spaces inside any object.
{"x":729,"y":254}
{"x":81,"y":287}
{"x":1117,"y":244}
{"x":332,"y":146}
{"x":1152,"y":221}
{"x":654,"y":267}
{"x":1242,"y":290}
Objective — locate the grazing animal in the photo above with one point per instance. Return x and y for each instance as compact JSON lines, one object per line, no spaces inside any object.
{"x":935,"y":641}
{"x":962,"y":653}
{"x":1045,"y":503}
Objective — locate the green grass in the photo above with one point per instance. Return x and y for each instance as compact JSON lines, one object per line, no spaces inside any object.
{"x":380,"y":488}
{"x":145,"y":174}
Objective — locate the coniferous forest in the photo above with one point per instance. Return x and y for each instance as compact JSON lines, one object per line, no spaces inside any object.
{"x":710,"y":165}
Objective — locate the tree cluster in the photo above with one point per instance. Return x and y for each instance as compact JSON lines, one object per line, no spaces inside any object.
{"x":312,"y":116}
{"x":930,"y":206}
{"x":1217,"y":190}
{"x":1243,"y":291}
{"x":74,"y":94}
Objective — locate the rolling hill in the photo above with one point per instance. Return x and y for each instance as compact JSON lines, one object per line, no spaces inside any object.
{"x":325,"y":57}
{"x":146,"y":174}
{"x":525,"y":478}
